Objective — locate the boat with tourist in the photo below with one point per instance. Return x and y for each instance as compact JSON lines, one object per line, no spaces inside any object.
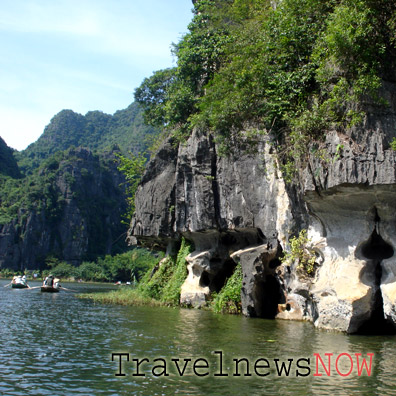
{"x":51,"y":285}
{"x":19,"y":282}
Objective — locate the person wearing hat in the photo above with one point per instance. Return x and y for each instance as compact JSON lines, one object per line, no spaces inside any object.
{"x":49,"y":281}
{"x":57,"y":285}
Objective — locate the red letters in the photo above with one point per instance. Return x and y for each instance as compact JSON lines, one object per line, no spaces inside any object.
{"x":328,"y":370}
{"x":364,"y":363}
{"x":360,"y":367}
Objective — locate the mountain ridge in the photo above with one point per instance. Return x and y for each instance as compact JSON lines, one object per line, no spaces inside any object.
{"x":64,"y":196}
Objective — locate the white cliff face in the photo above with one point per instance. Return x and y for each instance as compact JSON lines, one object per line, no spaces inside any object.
{"x":346,"y":283}
{"x":351,"y":202}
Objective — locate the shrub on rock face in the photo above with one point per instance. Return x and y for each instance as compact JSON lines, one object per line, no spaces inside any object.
{"x":301,"y":252}
{"x":164,"y":284}
{"x":228,"y":300}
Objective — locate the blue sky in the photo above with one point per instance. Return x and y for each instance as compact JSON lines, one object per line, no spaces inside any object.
{"x":81,"y":55}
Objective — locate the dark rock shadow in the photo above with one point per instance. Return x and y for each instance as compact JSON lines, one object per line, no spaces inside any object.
{"x":374,"y":250}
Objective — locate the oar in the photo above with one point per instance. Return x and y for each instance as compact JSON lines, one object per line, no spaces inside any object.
{"x":35,"y":287}
{"x":8,"y":284}
{"x":64,"y":288}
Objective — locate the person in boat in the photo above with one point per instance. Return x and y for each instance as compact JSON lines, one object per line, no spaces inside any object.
{"x":49,"y":281}
{"x":57,"y":285}
{"x":17,"y":280}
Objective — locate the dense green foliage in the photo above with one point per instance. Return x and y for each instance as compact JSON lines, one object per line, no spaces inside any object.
{"x":132,"y":166}
{"x":164,"y":282}
{"x":169,"y":97}
{"x":130,"y":266}
{"x":126,"y":267}
{"x":161,"y":285}
{"x":293,"y":70}
{"x":228,"y":300}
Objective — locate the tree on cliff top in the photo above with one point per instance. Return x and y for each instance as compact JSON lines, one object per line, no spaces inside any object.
{"x":295,"y":70}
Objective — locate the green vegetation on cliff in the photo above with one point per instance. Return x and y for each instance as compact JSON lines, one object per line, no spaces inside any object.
{"x":132,"y":167}
{"x":67,"y":197}
{"x":70,"y":208}
{"x":161,"y":285}
{"x":164,"y":282}
{"x":228,"y":300}
{"x":292,"y":68}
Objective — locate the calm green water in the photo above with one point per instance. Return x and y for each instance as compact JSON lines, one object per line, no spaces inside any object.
{"x":59,"y":344}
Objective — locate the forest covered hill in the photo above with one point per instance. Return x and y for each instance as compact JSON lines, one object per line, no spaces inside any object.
{"x":96,"y":131}
{"x":63,"y":197}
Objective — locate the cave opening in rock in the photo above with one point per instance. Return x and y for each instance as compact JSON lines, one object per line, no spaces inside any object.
{"x":376,"y":250}
{"x":267,"y":296}
{"x":218,"y":281}
{"x":205,"y":279}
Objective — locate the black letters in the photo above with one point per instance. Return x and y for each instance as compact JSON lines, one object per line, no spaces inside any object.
{"x":206,"y":365}
{"x":308,"y":361}
{"x":120,"y":355}
{"x":181,"y":373}
{"x":237,"y":361}
{"x":139,"y":362}
{"x":257,"y":366}
{"x":283,"y":367}
{"x":221,"y":374}
{"x":201,"y":367}
{"x":163,"y":366}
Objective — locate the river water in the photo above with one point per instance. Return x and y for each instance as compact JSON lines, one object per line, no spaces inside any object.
{"x":58,"y":344}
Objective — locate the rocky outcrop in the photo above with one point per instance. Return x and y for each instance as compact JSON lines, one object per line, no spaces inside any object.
{"x":239,"y":209}
{"x":77,"y":219}
{"x":351,"y":204}
{"x":221,"y":204}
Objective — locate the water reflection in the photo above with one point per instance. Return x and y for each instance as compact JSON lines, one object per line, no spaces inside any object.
{"x":59,"y":339}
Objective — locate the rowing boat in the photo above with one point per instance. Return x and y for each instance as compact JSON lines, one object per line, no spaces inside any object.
{"x":49,"y":289}
{"x":19,"y":285}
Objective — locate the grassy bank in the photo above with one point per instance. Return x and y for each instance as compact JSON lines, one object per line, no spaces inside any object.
{"x":161,"y":286}
{"x":122,"y":296}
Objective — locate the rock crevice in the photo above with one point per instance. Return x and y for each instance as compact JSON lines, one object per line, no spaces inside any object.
{"x":239,"y":209}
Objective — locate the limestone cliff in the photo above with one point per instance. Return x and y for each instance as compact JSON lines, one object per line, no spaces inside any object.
{"x":239,"y":209}
{"x":74,"y":214}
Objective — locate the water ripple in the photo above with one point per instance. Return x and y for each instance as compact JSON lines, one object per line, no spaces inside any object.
{"x":60,"y":342}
